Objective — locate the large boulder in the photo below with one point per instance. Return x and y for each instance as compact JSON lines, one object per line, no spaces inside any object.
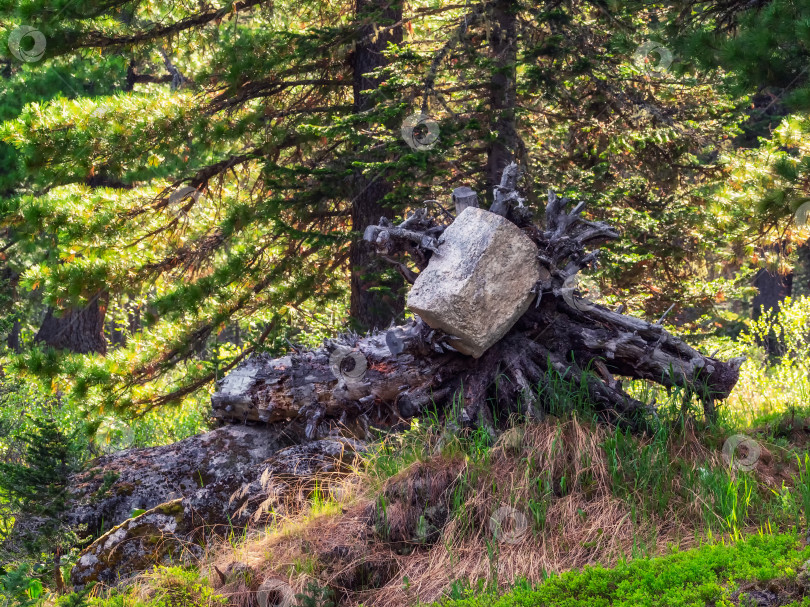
{"x":153,"y":504}
{"x":479,"y":283}
{"x":206,"y":469}
{"x":207,"y":484}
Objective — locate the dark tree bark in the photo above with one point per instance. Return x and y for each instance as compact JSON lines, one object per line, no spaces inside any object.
{"x":80,"y":330}
{"x":503,"y":94}
{"x":801,"y":273}
{"x":772,"y":289}
{"x":9,"y":280}
{"x":120,"y":332}
{"x":357,"y":383}
{"x":374,"y":302}
{"x":14,"y":334}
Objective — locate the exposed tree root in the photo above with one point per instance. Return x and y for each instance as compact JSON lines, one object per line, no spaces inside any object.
{"x":358,"y":382}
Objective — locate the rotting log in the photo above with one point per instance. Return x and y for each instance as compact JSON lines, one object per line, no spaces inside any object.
{"x":359,"y":382}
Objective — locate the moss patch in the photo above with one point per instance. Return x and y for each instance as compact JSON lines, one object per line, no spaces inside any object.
{"x":721,"y":575}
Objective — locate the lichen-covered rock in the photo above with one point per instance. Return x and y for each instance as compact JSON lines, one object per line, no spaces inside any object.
{"x":233,"y":474}
{"x":157,"y":536}
{"x":289,"y":477}
{"x":479,"y":283}
{"x":206,"y":469}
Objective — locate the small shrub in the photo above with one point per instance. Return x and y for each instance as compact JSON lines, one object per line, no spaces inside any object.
{"x":315,"y":595}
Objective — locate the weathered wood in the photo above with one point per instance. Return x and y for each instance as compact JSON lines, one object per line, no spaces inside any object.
{"x":416,"y":236}
{"x":409,"y":368}
{"x":322,"y":388}
{"x":464,"y":197}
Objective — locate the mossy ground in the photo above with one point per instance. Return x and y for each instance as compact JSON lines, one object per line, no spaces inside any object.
{"x":717,"y":574}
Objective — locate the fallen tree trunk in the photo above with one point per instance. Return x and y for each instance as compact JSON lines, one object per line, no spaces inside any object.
{"x":358,"y":382}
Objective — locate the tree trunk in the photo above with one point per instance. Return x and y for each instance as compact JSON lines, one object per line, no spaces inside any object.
{"x":772,"y":289}
{"x":80,"y":330}
{"x":800,"y":286}
{"x":375,"y":301}
{"x":503,"y":94}
{"x":8,"y":296}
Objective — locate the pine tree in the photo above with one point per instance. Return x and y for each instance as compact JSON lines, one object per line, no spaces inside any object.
{"x":764,"y":50}
{"x":376,"y":298}
{"x":37,"y":491}
{"x":214,"y":180}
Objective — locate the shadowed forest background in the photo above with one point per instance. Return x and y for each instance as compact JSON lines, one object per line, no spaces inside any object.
{"x":186,"y":183}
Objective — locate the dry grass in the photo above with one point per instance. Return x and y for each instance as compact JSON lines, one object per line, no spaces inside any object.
{"x":584,"y":523}
{"x":433,"y":524}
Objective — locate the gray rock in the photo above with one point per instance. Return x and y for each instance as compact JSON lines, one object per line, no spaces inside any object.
{"x":158,"y":536}
{"x":211,"y":483}
{"x":205,"y":469}
{"x":479,"y":284}
{"x":283,"y":482}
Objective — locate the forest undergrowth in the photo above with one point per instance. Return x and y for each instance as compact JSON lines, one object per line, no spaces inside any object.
{"x":439,"y":513}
